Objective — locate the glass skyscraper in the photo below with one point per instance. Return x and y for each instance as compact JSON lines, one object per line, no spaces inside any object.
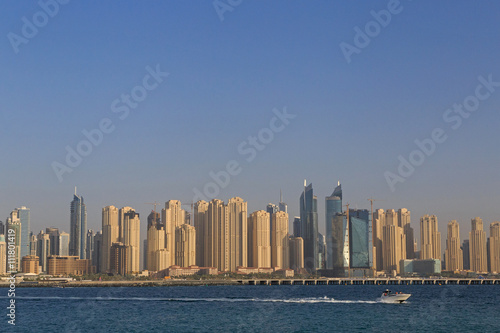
{"x":309,"y":228}
{"x":337,"y":250}
{"x":78,"y":227}
{"x":360,"y":238}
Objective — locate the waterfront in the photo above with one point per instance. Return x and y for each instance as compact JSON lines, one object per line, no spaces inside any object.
{"x":456,"y":308}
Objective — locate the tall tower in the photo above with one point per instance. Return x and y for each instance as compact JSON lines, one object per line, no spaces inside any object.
{"x":495,"y":247}
{"x":185,"y":247}
{"x":110,"y":235}
{"x":283,"y":207}
{"x":279,"y":240}
{"x":271,"y":209}
{"x":172,"y":216}
{"x":259,"y":239}
{"x":216,"y":235}
{"x":3,"y":254}
{"x":238,"y":228}
{"x":200,"y":221}
{"x":131,"y":226}
{"x":78,"y":227}
{"x":453,"y":254}
{"x":404,"y":219}
{"x":378,"y":256}
{"x":296,"y":246}
{"x":309,"y":226}
{"x":394,"y":247}
{"x":477,"y":246}
{"x":430,"y":238}
{"x":333,"y":206}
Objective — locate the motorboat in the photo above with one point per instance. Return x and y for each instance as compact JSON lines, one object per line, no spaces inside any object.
{"x":397,"y":297}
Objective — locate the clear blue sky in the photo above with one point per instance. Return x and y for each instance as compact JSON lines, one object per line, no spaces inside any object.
{"x":352,"y":120}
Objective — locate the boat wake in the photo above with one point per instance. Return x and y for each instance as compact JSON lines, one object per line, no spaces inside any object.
{"x":307,"y":300}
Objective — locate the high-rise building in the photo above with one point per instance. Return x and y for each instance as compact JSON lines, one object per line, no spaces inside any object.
{"x":145,"y":254}
{"x":494,"y":247}
{"x":259,"y":240}
{"x":43,"y":249}
{"x":200,"y":222}
{"x":477,"y":246}
{"x":360,"y":239}
{"x":453,"y":254}
{"x":97,"y":252}
{"x":379,"y":222}
{"x":394,"y":247}
{"x":271,"y":209}
{"x":466,"y":254}
{"x":158,"y":256}
{"x":333,"y":206}
{"x":2,"y":228}
{"x":3,"y":255}
{"x":185,"y":245}
{"x":14,"y":224}
{"x":63,"y":244}
{"x":296,"y":226}
{"x":54,"y":240}
{"x":21,"y":218}
{"x":90,"y":244}
{"x":172,"y":216}
{"x":237,"y":215}
{"x":33,"y":244}
{"x":78,"y":227}
{"x":216,"y":235}
{"x":296,"y":246}
{"x":283,"y":207}
{"x":110,"y":235}
{"x":309,"y":227}
{"x":430,"y":238}
{"x":279,"y":241}
{"x":404,"y":219}
{"x":131,"y":226}
{"x":119,"y":259}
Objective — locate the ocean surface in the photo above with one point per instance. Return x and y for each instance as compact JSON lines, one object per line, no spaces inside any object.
{"x":253,"y":309}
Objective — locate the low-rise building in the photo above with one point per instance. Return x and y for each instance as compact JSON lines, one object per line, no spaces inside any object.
{"x":68,"y":265}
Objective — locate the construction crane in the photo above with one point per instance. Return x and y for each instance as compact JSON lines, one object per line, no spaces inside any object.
{"x":152,"y":203}
{"x":191,"y":217}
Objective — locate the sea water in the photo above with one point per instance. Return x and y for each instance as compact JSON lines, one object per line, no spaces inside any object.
{"x":254,"y":309}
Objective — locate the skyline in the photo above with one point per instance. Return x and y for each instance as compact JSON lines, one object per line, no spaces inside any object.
{"x":353,"y":120}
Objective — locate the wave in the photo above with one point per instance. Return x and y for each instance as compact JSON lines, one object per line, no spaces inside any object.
{"x":222,"y":300}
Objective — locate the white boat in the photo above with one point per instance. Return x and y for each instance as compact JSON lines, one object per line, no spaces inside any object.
{"x":390,"y":297}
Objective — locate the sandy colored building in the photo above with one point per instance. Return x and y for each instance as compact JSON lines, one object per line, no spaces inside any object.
{"x":296,"y":248}
{"x":430,"y":238}
{"x":279,"y":241}
{"x":130,"y":226}
{"x":495,"y":247}
{"x":394,"y":247}
{"x":110,"y":235}
{"x":31,"y":264}
{"x":259,"y":239}
{"x":477,"y":246}
{"x":185,"y":245}
{"x":67,"y":265}
{"x":200,"y":222}
{"x":453,"y":254}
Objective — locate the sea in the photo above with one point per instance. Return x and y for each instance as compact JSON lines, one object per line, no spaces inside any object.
{"x":339,"y":308}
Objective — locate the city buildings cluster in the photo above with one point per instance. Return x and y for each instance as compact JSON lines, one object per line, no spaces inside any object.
{"x":224,"y":237}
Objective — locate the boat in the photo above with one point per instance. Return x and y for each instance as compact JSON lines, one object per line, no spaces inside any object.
{"x":397,"y":297}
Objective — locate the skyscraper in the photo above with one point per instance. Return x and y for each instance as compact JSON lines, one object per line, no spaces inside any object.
{"x":97,"y":252}
{"x":63,"y":244}
{"x":477,"y":246}
{"x":466,"y":254}
{"x":333,"y":206}
{"x":404,"y":219}
{"x":495,"y":247}
{"x":110,"y":235}
{"x":271,"y":209}
{"x":453,"y":254}
{"x":283,"y":207}
{"x":158,"y":256}
{"x":309,"y":227}
{"x":394,"y":247}
{"x":3,"y":255}
{"x":297,"y":226}
{"x":43,"y":249}
{"x":296,"y":246}
{"x":90,"y":245}
{"x":279,"y":241}
{"x":185,"y":247}
{"x":131,"y":226}
{"x":238,"y":239}
{"x":430,"y":238}
{"x":14,"y":223}
{"x":78,"y":227}
{"x":21,"y":216}
{"x":200,"y":222}
{"x":360,"y":238}
{"x":216,"y":236}
{"x":172,"y":216}
{"x":259,"y":240}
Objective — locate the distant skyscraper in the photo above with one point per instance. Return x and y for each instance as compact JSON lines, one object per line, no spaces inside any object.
{"x":296,"y":246}
{"x":90,"y":244}
{"x":3,"y":255}
{"x":131,"y":226}
{"x":321,"y":251}
{"x":404,"y":219}
{"x":2,"y":228}
{"x":97,"y":251}
{"x":63,"y":244}
{"x":78,"y":227}
{"x":271,"y":209}
{"x":283,"y":207}
{"x":22,"y":216}
{"x":173,"y":216}
{"x":185,"y":245}
{"x":15,"y":225}
{"x":379,"y":222}
{"x":158,"y":256}
{"x":466,"y":254}
{"x":360,"y":238}
{"x":43,"y":249}
{"x":309,"y":227}
{"x":200,"y":222}
{"x":494,"y":247}
{"x":259,"y":240}
{"x":333,"y":209}
{"x":279,"y":241}
{"x":216,"y":236}
{"x":110,"y":235}
{"x":430,"y":238}
{"x":453,"y":254}
{"x":477,"y":238}
{"x":297,"y":226}
{"x":394,"y":247}
{"x":237,"y":214}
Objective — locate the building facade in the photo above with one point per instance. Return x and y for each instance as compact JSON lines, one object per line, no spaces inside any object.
{"x":78,"y":227}
{"x":453,"y":253}
{"x":309,"y":227}
{"x":477,"y":246}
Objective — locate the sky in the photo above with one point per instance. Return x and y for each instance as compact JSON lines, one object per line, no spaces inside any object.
{"x":273,"y":91}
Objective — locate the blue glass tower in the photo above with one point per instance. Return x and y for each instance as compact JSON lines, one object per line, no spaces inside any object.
{"x":360,"y":238}
{"x":309,"y":228}
{"x":78,"y":227}
{"x":336,"y":231}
